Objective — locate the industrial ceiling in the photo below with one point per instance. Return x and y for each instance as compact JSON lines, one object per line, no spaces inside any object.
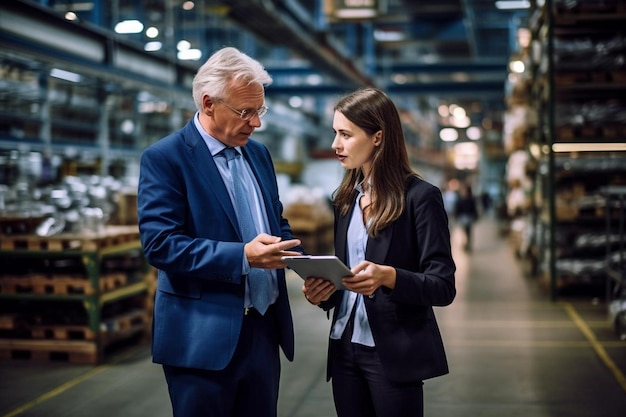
{"x":447,"y":50}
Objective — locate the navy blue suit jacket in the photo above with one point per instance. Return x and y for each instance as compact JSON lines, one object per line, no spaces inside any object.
{"x":189,"y":232}
{"x":402,"y":320}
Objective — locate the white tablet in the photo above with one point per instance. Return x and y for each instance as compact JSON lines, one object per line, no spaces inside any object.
{"x":322,"y":266}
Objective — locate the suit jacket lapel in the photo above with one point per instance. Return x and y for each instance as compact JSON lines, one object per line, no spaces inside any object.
{"x":341,"y":233}
{"x":204,"y":164}
{"x":376,"y":250}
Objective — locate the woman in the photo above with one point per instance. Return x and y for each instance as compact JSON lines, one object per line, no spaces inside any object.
{"x":391,"y":229}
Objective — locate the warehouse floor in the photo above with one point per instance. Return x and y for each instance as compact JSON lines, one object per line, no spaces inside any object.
{"x":512,"y":352}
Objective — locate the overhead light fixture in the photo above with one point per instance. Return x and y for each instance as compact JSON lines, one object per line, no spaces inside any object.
{"x":512,"y":4}
{"x":355,"y":9}
{"x":189,"y":54}
{"x":473,"y":133}
{"x":295,"y":102}
{"x":65,"y":75}
{"x":355,"y":13}
{"x":588,"y":147}
{"x":388,"y":35}
{"x":152,"y":32}
{"x":314,"y":79}
{"x":183,"y":45}
{"x":448,"y":134}
{"x":129,"y":26}
{"x":153,"y":46}
{"x":466,"y":155}
{"x":400,"y":78}
{"x":517,"y":66}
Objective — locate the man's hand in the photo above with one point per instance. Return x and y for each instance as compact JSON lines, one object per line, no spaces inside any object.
{"x":265,"y":251}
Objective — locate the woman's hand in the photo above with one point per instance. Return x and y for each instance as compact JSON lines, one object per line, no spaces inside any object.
{"x":368,"y":277}
{"x":316,"y":290}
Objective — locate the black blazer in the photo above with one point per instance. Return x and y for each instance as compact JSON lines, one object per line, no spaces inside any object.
{"x":402,"y":320}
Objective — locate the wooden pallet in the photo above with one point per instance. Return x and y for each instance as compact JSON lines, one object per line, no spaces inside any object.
{"x":60,"y":285}
{"x":75,"y":352}
{"x":125,"y":322}
{"x":112,"y":281}
{"x":46,"y":286}
{"x":608,"y":132}
{"x":62,"y":333}
{"x":110,"y":236}
{"x":564,"y":78}
{"x":118,"y":326}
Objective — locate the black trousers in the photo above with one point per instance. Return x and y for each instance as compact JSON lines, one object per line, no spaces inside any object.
{"x":248,"y":386}
{"x":360,"y":387}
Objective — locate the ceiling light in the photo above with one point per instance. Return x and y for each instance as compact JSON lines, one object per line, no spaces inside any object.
{"x":183,"y":45}
{"x":512,"y":4}
{"x":517,"y":66}
{"x":473,"y":133}
{"x":448,"y":134}
{"x":466,"y":155}
{"x":588,"y":147}
{"x":460,"y":122}
{"x":188,"y":5}
{"x":388,"y":36}
{"x":129,"y":26}
{"x":459,"y":112}
{"x":71,"y":16}
{"x":153,"y":46}
{"x":152,"y":32}
{"x":189,"y":55}
{"x":400,"y":78}
{"x":65,"y":75}
{"x":355,"y":13}
{"x":295,"y":102}
{"x":314,"y":79}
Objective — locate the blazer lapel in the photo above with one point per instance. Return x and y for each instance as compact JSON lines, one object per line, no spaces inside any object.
{"x":341,"y":233}
{"x":376,"y":250}
{"x":204,"y":164}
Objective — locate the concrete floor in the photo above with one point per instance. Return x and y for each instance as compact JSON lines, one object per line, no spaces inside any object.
{"x":512,"y":352}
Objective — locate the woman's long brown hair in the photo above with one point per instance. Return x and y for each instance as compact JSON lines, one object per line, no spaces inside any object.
{"x":372,"y":110}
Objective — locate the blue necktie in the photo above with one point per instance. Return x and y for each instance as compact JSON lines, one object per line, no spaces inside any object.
{"x":257,"y":278}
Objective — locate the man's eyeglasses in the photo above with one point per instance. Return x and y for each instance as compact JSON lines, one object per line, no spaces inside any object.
{"x":245,"y":114}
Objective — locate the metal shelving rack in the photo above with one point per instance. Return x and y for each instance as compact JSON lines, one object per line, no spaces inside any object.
{"x":616,"y":257}
{"x":78,"y":338}
{"x":566,"y":149}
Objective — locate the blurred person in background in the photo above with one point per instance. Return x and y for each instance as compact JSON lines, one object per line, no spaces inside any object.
{"x":450,"y":196}
{"x":219,"y":347}
{"x":391,"y":229}
{"x":466,"y":213}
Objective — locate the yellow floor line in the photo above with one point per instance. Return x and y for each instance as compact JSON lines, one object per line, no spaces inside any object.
{"x":68,"y":385}
{"x":565,"y":323}
{"x":513,"y":343}
{"x":597,"y":346}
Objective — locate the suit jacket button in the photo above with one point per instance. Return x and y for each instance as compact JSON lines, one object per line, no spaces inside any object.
{"x":371,"y":296}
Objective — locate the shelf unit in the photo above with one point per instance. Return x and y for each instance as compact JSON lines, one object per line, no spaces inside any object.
{"x":71,"y":296}
{"x":616,"y":257}
{"x":579,"y":144}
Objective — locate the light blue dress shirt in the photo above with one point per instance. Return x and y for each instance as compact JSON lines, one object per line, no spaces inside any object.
{"x":357,"y":242}
{"x":257,"y":206}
